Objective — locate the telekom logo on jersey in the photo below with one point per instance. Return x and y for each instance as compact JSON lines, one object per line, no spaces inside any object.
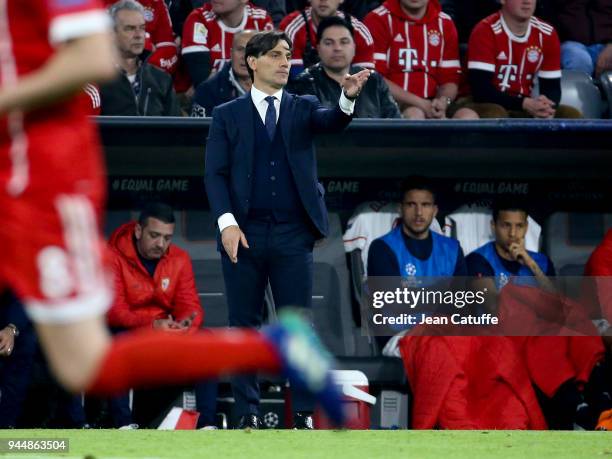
{"x":409,"y":58}
{"x":507,"y":73}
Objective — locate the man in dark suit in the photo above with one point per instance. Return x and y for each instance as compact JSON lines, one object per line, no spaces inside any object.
{"x":261,"y":181}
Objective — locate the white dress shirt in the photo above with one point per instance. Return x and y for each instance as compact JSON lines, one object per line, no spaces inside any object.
{"x":261,"y":104}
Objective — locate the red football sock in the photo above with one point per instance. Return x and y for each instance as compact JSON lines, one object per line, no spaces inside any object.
{"x":149,"y":357}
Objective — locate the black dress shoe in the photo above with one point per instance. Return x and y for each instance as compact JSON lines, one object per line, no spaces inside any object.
{"x":250,"y":421}
{"x":303,"y":421}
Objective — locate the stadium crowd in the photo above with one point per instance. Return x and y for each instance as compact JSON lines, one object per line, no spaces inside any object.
{"x":448,"y":59}
{"x":430,"y":60}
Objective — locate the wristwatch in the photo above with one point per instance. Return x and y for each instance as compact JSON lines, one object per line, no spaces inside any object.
{"x":14,"y":328}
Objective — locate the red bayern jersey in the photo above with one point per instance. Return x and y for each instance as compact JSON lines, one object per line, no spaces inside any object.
{"x":515,"y":61}
{"x":30,"y":31}
{"x":205,"y":32}
{"x":295,"y":27}
{"x":417,"y":55}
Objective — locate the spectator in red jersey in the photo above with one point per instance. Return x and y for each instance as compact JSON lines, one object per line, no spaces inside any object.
{"x":416,"y":50}
{"x":506,"y":53}
{"x":301,"y":28}
{"x":277,"y":9}
{"x":209,"y":32}
{"x":140,"y":89}
{"x":160,"y":40}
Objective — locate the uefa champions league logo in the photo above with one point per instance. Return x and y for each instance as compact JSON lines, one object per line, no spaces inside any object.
{"x":410,"y":269}
{"x":410,"y":280}
{"x":271,"y":420}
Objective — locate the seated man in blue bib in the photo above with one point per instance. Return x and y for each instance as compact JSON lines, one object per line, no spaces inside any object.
{"x":411,"y":248}
{"x":440,"y":369}
{"x":569,"y":372}
{"x":506,"y":256}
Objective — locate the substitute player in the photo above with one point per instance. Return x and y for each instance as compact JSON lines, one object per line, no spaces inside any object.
{"x":51,"y":191}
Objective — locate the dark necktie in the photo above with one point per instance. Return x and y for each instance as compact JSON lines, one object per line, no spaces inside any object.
{"x":271,"y":117}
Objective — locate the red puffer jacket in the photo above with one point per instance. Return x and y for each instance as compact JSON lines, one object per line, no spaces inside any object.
{"x":139,"y":298}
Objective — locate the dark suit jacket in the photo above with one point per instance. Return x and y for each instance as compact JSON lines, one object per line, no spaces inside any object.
{"x":230,"y":153}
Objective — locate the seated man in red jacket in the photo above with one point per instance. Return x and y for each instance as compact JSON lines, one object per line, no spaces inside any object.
{"x":154,"y":287}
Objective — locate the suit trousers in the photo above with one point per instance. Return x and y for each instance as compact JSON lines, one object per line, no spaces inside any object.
{"x":279,"y":253}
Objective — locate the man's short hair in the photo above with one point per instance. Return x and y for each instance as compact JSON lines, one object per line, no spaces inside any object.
{"x":242,"y":32}
{"x":417,"y":182}
{"x":508,"y":204}
{"x":261,"y":43}
{"x":158,"y":210}
{"x":332,"y":21}
{"x":130,"y":5}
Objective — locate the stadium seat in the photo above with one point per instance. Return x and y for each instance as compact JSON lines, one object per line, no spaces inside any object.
{"x":571,"y":270}
{"x":571,"y":237}
{"x":332,"y":313}
{"x":196,"y":233}
{"x":211,"y":290}
{"x":365,"y":345}
{"x":199,"y":226}
{"x":114,"y":219}
{"x":570,"y":279}
{"x":606,"y":85}
{"x":579,"y":91}
{"x":471,"y":226}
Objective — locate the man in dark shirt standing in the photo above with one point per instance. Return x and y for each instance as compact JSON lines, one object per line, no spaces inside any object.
{"x":336,"y":48}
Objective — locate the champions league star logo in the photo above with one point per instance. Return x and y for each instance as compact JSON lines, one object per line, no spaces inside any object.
{"x":410,"y":281}
{"x":270,"y":420}
{"x":410,"y":269}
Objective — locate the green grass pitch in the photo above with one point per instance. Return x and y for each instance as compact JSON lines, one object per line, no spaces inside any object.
{"x":267,"y":444}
